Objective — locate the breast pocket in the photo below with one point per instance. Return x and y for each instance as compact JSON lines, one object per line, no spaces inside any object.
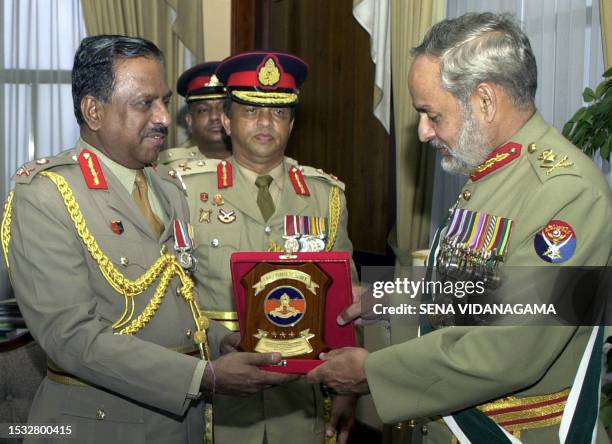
{"x":218,"y":248}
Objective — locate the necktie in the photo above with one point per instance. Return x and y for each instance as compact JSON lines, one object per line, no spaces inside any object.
{"x":264,"y":198}
{"x":141,"y":197}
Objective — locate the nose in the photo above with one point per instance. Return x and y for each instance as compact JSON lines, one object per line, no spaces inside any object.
{"x":161,"y":115}
{"x":264,"y":117}
{"x":426,"y":131}
{"x":215,"y":113}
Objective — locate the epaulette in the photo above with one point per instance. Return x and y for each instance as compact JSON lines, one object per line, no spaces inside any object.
{"x":170,"y":175}
{"x":29,"y":170}
{"x":176,"y":154}
{"x":318,"y":173}
{"x":198,"y":166}
{"x":548,"y":161}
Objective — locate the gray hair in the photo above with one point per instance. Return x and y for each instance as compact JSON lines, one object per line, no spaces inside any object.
{"x":476,"y":48}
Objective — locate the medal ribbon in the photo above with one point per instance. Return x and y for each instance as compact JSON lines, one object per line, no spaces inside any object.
{"x":183,"y":236}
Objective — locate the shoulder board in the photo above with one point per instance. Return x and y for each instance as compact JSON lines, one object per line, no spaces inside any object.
{"x":550,"y":161}
{"x":176,"y":154}
{"x":318,"y":173}
{"x":29,"y":170}
{"x":170,"y":175}
{"x":198,"y":166}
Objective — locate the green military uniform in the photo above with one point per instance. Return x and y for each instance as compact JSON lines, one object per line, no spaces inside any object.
{"x":227,"y":220}
{"x":544,"y":178}
{"x":131,"y":387}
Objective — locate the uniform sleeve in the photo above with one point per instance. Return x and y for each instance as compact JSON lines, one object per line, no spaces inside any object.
{"x":456,"y":368}
{"x":50,"y":274}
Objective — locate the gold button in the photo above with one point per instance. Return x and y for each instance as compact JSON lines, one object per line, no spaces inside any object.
{"x":192,"y":154}
{"x":405,"y":424}
{"x":100,"y":414}
{"x":512,"y":150}
{"x":124,"y":261}
{"x":188,"y":333}
{"x":532,"y":147}
{"x":268,"y":229}
{"x":200,"y":163}
{"x":467,"y":195}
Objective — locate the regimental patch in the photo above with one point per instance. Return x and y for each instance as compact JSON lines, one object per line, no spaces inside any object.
{"x":204,"y":196}
{"x":556,"y":242}
{"x":117,"y":226}
{"x":92,"y":172}
{"x":269,"y":73}
{"x":497,"y":159}
{"x":285,"y":306}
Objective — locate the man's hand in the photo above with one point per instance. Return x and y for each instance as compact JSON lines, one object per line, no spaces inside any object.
{"x":342,"y":418}
{"x":343,"y":371}
{"x":237,"y":373}
{"x":229,"y":343}
{"x":361,"y":311}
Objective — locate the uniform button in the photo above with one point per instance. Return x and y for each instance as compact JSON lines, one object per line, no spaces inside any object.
{"x":75,"y":158}
{"x":214,"y":243}
{"x":188,"y":333}
{"x":268,"y":229}
{"x":124,"y":261}
{"x":467,"y":195}
{"x":512,"y":150}
{"x":200,"y":163}
{"x":532,"y":147}
{"x":192,"y":154}
{"x":170,"y":154}
{"x":163,"y":250}
{"x":424,"y":430}
{"x":100,"y":414}
{"x":42,"y":161}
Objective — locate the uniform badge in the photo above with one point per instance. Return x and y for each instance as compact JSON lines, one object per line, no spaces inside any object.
{"x":205,"y":215}
{"x":556,"y":242}
{"x":184,"y":166}
{"x":92,"y":172}
{"x":204,"y":197}
{"x":268,"y":73}
{"x":218,"y":200}
{"x":285,"y":306}
{"x":23,"y":171}
{"x":225,"y":175}
{"x":117,"y":226}
{"x":226,"y":217}
{"x":297,"y":180}
{"x":550,"y":163}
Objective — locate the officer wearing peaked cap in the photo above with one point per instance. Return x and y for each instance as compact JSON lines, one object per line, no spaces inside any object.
{"x":204,"y":94}
{"x":241,"y":204}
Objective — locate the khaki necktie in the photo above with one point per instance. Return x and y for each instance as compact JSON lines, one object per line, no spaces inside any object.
{"x":141,"y":196}
{"x":264,"y":198}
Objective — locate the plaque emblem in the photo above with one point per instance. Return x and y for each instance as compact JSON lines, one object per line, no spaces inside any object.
{"x":285,"y":306}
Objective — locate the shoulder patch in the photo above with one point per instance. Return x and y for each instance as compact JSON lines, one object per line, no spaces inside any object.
{"x":172,"y":155}
{"x":319,"y":174}
{"x":197,"y":166}
{"x":29,"y":170}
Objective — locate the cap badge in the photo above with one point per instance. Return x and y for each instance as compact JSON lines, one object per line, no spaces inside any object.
{"x":214,"y":81}
{"x":269,"y":74}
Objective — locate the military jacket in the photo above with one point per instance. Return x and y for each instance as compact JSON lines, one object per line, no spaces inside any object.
{"x":542,"y":179}
{"x":129,"y":387}
{"x":227,"y":220}
{"x":177,"y":158}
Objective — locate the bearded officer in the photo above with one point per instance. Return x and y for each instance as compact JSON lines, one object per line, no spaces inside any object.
{"x":99,"y":253}
{"x":473,"y":83}
{"x":204,"y":95}
{"x":242,"y":204}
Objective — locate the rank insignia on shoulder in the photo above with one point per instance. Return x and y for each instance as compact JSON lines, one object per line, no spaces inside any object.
{"x":497,"y":159}
{"x":556,"y":242}
{"x":550,"y":162}
{"x":298,"y":182}
{"x":92,"y":172}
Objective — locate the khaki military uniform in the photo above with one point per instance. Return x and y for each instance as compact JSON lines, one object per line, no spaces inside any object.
{"x":109,"y":387}
{"x":455,"y":368}
{"x":293,"y":410}
{"x":175,"y":158}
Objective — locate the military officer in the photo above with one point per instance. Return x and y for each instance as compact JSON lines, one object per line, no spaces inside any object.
{"x":473,"y":83}
{"x":204,"y":95}
{"x":245,"y":203}
{"x":98,"y":249}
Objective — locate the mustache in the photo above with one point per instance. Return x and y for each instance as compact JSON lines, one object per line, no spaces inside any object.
{"x":437,"y":144}
{"x":158,"y":130}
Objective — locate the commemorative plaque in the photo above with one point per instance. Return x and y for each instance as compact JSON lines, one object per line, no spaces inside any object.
{"x":289,"y":304}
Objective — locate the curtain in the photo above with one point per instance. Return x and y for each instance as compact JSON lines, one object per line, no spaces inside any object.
{"x":373,"y":16}
{"x":172,"y":25}
{"x":410,"y":19}
{"x":567,"y":41}
{"x":606,"y":30}
{"x":39,"y":38}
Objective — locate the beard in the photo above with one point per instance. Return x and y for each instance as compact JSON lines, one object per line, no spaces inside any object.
{"x":473,"y":147}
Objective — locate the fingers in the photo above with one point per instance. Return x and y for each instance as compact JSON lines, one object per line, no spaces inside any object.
{"x":261,"y":358}
{"x":315,"y":376}
{"x":351,"y":313}
{"x":230,"y":343}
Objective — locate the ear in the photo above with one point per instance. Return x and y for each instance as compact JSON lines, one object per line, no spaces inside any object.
{"x":93,"y":112}
{"x":486,"y":100}
{"x":226,"y":121}
{"x":291,"y":126}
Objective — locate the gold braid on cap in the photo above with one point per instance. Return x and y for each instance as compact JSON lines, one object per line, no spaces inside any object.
{"x":266,"y":98}
{"x":334,"y":217}
{"x":167,"y":266}
{"x":5,"y":229}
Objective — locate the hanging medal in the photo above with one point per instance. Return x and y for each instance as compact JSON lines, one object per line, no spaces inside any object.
{"x":183,"y":245}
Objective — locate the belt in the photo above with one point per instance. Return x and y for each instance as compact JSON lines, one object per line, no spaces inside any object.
{"x":516,"y":414}
{"x":56,"y":374}
{"x":227,"y":318}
